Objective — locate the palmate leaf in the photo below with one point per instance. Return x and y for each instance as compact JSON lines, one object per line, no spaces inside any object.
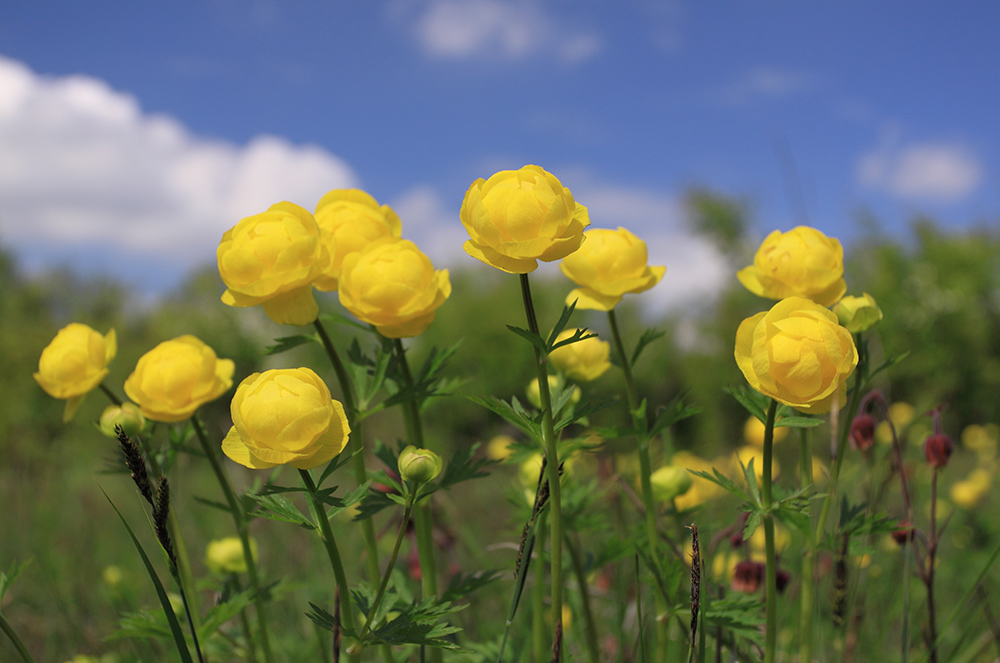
{"x":464,"y":466}
{"x":740,"y":614}
{"x":725,"y":483}
{"x":280,"y":508}
{"x":373,"y":502}
{"x":220,"y":613}
{"x":560,"y":325}
{"x":286,"y":343}
{"x":419,"y":624}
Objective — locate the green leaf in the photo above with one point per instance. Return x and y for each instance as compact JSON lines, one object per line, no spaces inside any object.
{"x":419,"y":624}
{"x":754,"y":519}
{"x":212,"y":503}
{"x":741,"y":614}
{"x":725,"y":483}
{"x":350,"y":499}
{"x":585,"y":410}
{"x":280,"y":508}
{"x":374,"y":501}
{"x":339,"y":319}
{"x":531,"y":337}
{"x":889,"y":363}
{"x":7,"y":579}
{"x":675,"y":411}
{"x":751,"y":478}
{"x":512,"y":412}
{"x":463,"y":584}
{"x":222,"y":612}
{"x":161,"y":593}
{"x":753,"y":402}
{"x":797,"y":422}
{"x":564,"y":317}
{"x":464,"y":466}
{"x":286,"y":343}
{"x":647,"y":337}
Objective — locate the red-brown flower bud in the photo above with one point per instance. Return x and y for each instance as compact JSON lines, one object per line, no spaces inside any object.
{"x":781,"y":579}
{"x":903,"y":533}
{"x":748,"y":577}
{"x":863,"y":432}
{"x":937,"y":449}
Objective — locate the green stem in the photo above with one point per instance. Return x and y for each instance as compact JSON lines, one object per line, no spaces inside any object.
{"x":110,"y":394}
{"x":770,"y":579}
{"x":243,"y":531}
{"x":11,"y":634}
{"x":639,"y":422}
{"x":588,"y":616}
{"x":392,"y":562}
{"x":331,"y":550}
{"x":358,"y":456}
{"x":422,"y":518}
{"x":539,"y":652}
{"x":552,"y":457}
{"x":808,"y":556}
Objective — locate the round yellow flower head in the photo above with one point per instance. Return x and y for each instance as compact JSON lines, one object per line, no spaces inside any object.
{"x":802,"y":262}
{"x":518,"y":217}
{"x":970,"y":492}
{"x":584,"y":360}
{"x":858,"y":314}
{"x":981,"y":440}
{"x":126,"y":415}
{"x":177,"y":377}
{"x":499,"y":447}
{"x":273,"y":258}
{"x":112,"y":576}
{"x":610,"y":264}
{"x":226,"y":555}
{"x":670,"y":481}
{"x":74,"y":363}
{"x":393,"y":286}
{"x":349,"y":220}
{"x":753,"y":432}
{"x":798,"y":354}
{"x":285,"y":416}
{"x":419,"y":465}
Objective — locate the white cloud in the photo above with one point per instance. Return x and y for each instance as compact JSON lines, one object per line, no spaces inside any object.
{"x":82,"y":165}
{"x":766,"y":82}
{"x":508,"y":29}
{"x":696,"y":271}
{"x":932,"y":171}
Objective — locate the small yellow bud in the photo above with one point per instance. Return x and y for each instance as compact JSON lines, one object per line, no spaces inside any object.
{"x":126,"y":415}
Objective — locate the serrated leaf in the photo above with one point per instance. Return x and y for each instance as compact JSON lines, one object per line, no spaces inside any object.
{"x":464,"y":466}
{"x":418,"y":624}
{"x":585,"y":410}
{"x":286,"y":343}
{"x":7,"y":578}
{"x":751,"y":478}
{"x":724,"y":482}
{"x":675,"y":411}
{"x":280,"y":508}
{"x":740,"y":614}
{"x":749,"y":399}
{"x":220,"y":613}
{"x":516,"y":417}
{"x":647,"y":337}
{"x":753,"y":522}
{"x":529,"y":336}
{"x":348,"y":500}
{"x":374,"y":501}
{"x":797,"y":422}
{"x":463,"y":584}
{"x":560,"y":325}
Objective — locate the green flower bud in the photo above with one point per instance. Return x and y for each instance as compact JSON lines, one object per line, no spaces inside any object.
{"x":858,"y":314}
{"x":669,"y":481}
{"x":125,"y":415}
{"x":419,"y":465}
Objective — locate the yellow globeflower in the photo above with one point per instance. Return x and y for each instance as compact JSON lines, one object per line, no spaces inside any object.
{"x":669,"y":482}
{"x":702,"y":490}
{"x":273,"y":258}
{"x":800,"y":263}
{"x":126,"y":415}
{"x":518,"y":217}
{"x":584,"y":360}
{"x":981,"y":440}
{"x":610,"y":264}
{"x":349,"y":220}
{"x":393,"y":286}
{"x":285,"y":416}
{"x":226,"y":555}
{"x":798,"y":354}
{"x":970,"y":492}
{"x":499,"y":447}
{"x":74,"y":363}
{"x":177,"y":377}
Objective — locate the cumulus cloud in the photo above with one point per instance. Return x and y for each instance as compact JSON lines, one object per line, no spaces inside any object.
{"x":942,"y":171}
{"x":696,"y":271}
{"x":509,"y":29}
{"x":81,"y":165}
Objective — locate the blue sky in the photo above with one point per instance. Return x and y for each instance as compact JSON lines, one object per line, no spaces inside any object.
{"x":150,"y":128}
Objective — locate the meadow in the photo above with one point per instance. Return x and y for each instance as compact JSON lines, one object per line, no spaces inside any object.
{"x":838,"y":507}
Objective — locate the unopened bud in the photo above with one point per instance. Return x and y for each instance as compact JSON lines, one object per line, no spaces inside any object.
{"x":125,"y":415}
{"x":858,"y":314}
{"x":937,"y":449}
{"x":863,"y":432}
{"x":903,"y":533}
{"x":669,"y":482}
{"x":419,"y":465}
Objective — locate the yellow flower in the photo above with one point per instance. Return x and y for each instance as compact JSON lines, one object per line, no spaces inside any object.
{"x":971,"y":491}
{"x":499,"y":447}
{"x":349,"y":220}
{"x":285,"y":416}
{"x":753,"y":432}
{"x":858,"y":314}
{"x":610,"y":264}
{"x":584,"y":360}
{"x":112,"y":576}
{"x":226,"y":555}
{"x":74,"y":363}
{"x":518,"y":217}
{"x":126,"y":415}
{"x":273,"y":258}
{"x":393,"y":286}
{"x":798,"y":354}
{"x":701,"y":490}
{"x":981,"y":440}
{"x":177,"y":377}
{"x":901,"y":414}
{"x":802,"y":263}
{"x":670,"y":481}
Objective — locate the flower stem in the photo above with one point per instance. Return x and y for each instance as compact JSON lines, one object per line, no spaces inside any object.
{"x":110,"y":394}
{"x":242,"y":530}
{"x":392,"y":562}
{"x":358,"y":456}
{"x":15,"y":640}
{"x":770,"y":577}
{"x":552,"y":457}
{"x":808,"y":555}
{"x":331,"y":549}
{"x":639,"y":423}
{"x":422,"y":518}
{"x":588,"y":616}
{"x":929,"y":575}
